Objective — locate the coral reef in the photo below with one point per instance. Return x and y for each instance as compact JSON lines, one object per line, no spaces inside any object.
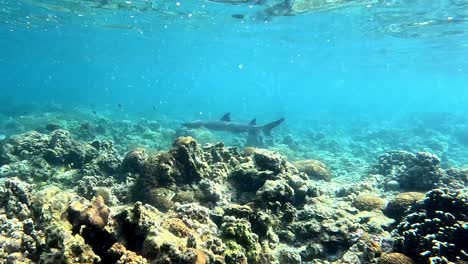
{"x":67,"y":195}
{"x":415,"y":172}
{"x":314,"y":169}
{"x":435,"y":228}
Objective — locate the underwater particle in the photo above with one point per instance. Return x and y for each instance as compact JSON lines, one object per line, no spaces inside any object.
{"x":395,"y":258}
{"x":240,"y":66}
{"x":397,"y":207}
{"x":368,"y":202}
{"x":315,"y":169}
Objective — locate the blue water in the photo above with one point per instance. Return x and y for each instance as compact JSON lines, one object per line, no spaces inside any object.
{"x":381,"y":58}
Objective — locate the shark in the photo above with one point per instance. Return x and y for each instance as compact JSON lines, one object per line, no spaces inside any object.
{"x":254,"y":130}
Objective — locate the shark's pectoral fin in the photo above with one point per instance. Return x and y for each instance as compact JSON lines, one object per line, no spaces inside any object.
{"x":253,"y":122}
{"x":226,"y":117}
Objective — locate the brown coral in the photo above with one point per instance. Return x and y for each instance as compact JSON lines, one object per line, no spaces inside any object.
{"x":94,"y":215}
{"x":124,"y":256}
{"x":395,"y":258}
{"x":314,"y":169}
{"x":177,"y":227}
{"x":397,"y":207}
{"x":196,"y":256}
{"x":368,"y":202}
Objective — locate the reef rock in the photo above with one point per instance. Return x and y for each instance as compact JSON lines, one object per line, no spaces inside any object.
{"x":39,"y":157}
{"x":20,"y":241}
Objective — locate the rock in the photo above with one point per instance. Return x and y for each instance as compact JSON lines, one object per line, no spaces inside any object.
{"x":161,"y":198}
{"x":315,"y":169}
{"x":239,"y":239}
{"x":134,"y":161}
{"x":269,"y":161}
{"x":275,"y":191}
{"x":183,"y":164}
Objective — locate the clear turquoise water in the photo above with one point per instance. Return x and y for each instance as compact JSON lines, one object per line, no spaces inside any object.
{"x":193,"y":58}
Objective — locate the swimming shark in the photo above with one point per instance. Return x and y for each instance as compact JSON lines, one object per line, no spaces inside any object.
{"x":225,"y":124}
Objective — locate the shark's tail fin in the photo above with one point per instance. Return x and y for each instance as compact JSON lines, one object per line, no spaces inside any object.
{"x":268,"y":127}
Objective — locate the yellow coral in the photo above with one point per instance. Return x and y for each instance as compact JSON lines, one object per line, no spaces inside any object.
{"x":397,"y":207}
{"x":368,"y":202}
{"x":314,"y":169}
{"x":126,"y":256}
{"x":395,"y":258}
{"x":184,"y":140}
{"x":177,"y":227}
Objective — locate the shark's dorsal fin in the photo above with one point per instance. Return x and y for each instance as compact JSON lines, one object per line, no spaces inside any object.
{"x":226,"y":117}
{"x":253,"y":122}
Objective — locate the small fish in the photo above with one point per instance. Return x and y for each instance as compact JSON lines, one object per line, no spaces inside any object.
{"x":94,"y":112}
{"x":238,"y":16}
{"x":154,"y":108}
{"x":119,"y":106}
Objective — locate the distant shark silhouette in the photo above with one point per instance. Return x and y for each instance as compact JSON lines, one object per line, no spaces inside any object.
{"x":225,"y":124}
